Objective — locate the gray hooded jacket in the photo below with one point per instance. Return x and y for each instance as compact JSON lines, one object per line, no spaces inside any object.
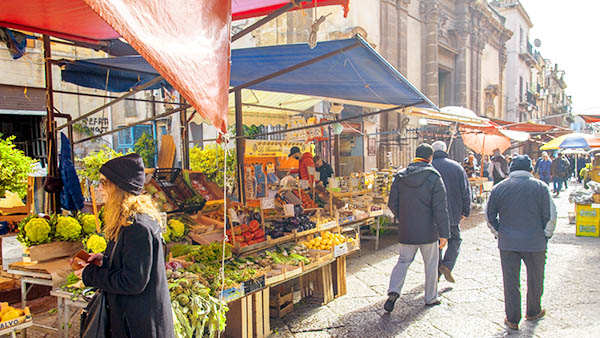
{"x":418,"y":201}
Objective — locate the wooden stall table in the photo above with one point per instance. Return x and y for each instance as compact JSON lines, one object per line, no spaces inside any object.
{"x":13,"y":330}
{"x":64,"y":307}
{"x":35,"y":274}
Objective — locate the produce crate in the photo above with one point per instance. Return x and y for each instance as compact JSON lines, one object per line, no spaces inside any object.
{"x":587,"y":229}
{"x":345,"y":220}
{"x":248,"y":317}
{"x":287,"y":237}
{"x":585,"y":213}
{"x":254,"y":284}
{"x":44,"y":252}
{"x":327,"y":226}
{"x":281,"y":302}
{"x":6,"y":325}
{"x":274,"y":276}
{"x":232,"y":294}
{"x":289,"y":271}
{"x":177,"y":190}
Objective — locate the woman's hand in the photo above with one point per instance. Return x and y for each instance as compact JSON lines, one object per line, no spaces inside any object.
{"x":96,"y":258}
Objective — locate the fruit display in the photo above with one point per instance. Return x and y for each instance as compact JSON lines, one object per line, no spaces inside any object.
{"x":195,"y":312}
{"x":300,"y":222}
{"x":307,"y":202}
{"x":326,"y":241}
{"x":246,"y":234}
{"x":9,"y":313}
{"x":159,"y":197}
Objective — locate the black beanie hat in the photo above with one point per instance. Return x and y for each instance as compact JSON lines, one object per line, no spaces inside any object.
{"x":126,"y":172}
{"x":521,"y":162}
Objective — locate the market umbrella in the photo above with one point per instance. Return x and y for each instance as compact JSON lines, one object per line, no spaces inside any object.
{"x":574,"y":152}
{"x":485,"y":143}
{"x":573,"y":140}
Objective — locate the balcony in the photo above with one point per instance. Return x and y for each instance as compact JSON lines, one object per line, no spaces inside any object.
{"x":527,"y":54}
{"x":531,"y":98}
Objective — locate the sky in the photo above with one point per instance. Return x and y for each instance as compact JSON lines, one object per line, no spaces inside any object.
{"x":569,"y":32}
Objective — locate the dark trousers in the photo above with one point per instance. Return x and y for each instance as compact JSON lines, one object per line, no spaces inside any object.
{"x":453,"y":248}
{"x":511,"y":271}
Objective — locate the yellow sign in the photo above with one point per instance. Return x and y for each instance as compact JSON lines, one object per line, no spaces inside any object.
{"x":265,"y":148}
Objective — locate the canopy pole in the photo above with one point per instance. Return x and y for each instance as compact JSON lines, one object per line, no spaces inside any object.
{"x":51,"y":148}
{"x":120,"y":98}
{"x":116,"y":97}
{"x":263,"y":21}
{"x":239,"y":146}
{"x":185,"y":139}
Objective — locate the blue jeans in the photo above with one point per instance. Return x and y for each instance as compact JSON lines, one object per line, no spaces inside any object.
{"x":557,"y":181}
{"x":453,"y":249}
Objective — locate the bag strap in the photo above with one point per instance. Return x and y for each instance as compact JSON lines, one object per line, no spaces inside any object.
{"x":112,"y":252}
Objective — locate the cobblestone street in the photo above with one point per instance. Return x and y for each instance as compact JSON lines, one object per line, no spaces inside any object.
{"x":473,"y":306}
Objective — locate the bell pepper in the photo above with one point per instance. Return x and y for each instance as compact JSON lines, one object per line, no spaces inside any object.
{"x":240,"y":239}
{"x":259,"y":234}
{"x":248,"y":236}
{"x":237,"y":230}
{"x":244,"y":228}
{"x":254,"y":225}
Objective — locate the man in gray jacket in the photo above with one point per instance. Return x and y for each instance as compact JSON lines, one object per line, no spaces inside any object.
{"x":458,"y":193}
{"x":418,"y":201}
{"x":522,"y":215}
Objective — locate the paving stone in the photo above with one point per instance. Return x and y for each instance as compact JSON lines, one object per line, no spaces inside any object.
{"x":310,"y":317}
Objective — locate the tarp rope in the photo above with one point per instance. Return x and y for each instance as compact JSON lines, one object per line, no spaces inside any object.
{"x":224,"y":243}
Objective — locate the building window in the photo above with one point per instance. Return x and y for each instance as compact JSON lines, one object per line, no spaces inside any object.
{"x":520,"y":89}
{"x":444,"y":88}
{"x":128,"y":137}
{"x":520,"y":39}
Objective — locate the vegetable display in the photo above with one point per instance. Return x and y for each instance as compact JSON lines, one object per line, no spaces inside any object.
{"x":35,"y":231}
{"x":68,"y":229}
{"x":95,"y":244}
{"x":195,"y":312}
{"x":42,"y":229}
{"x":88,"y":223}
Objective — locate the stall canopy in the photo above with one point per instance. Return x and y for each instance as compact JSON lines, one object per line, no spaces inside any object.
{"x":344,"y":69}
{"x":75,"y":20}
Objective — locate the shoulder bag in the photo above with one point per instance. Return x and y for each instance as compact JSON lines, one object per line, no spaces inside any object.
{"x":95,"y":322}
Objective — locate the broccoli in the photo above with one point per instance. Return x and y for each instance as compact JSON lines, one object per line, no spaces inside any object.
{"x":37,"y":231}
{"x":68,"y":229}
{"x":95,"y":244}
{"x":89,"y":223}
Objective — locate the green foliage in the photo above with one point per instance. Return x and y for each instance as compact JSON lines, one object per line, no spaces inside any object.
{"x":145,"y":146}
{"x":93,"y":162}
{"x":210,"y":162}
{"x":67,"y":228}
{"x":14,"y":167}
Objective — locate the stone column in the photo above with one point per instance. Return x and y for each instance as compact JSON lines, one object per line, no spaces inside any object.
{"x":461,"y":34}
{"x":430,"y":14}
{"x":502,"y":66}
{"x":478,"y":41}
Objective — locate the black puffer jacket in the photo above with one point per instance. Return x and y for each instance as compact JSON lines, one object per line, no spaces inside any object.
{"x":456,"y":184}
{"x":136,"y":284}
{"x":418,"y":200}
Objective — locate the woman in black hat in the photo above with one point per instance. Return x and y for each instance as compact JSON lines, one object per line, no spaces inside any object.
{"x":135,"y":284}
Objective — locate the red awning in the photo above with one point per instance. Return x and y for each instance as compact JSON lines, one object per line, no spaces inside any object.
{"x":526,"y":126}
{"x":75,"y":20}
{"x":590,"y":118}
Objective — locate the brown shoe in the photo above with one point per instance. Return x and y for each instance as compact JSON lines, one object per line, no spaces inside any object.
{"x":512,"y":326}
{"x":538,"y":316}
{"x":447,"y":273}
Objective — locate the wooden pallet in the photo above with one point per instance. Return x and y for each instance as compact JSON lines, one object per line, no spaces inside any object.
{"x":248,"y":317}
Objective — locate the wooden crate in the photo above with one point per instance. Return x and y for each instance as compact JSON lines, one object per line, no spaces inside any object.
{"x":340,"y":277}
{"x":45,"y":252}
{"x":248,"y":317}
{"x":318,"y":284}
{"x":281,"y":302}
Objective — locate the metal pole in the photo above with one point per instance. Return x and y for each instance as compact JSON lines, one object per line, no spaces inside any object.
{"x":336,"y":151}
{"x":50,"y":124}
{"x":185,"y":140}
{"x":239,"y":146}
{"x":165,"y":114}
{"x":262,"y":21}
{"x":120,"y":98}
{"x":116,"y":97}
{"x":294,"y":67}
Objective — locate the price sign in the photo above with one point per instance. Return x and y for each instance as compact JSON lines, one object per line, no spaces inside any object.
{"x":340,"y":249}
{"x":12,"y":251}
{"x":267,"y":203}
{"x":288,"y":210}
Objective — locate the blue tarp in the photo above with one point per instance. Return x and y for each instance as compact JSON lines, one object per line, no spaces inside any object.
{"x":71,"y":197}
{"x":357,"y":74}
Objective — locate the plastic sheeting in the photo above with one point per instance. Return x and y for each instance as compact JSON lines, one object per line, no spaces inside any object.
{"x":75,"y":20}
{"x":359,"y":74}
{"x":190,"y":51}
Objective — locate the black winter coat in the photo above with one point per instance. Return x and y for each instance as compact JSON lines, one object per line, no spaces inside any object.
{"x":456,"y":184}
{"x":418,"y":201}
{"x":136,"y":285}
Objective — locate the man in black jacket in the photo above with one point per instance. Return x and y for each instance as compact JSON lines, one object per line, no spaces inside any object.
{"x":324,"y":169}
{"x":459,"y":203}
{"x":418,"y":201}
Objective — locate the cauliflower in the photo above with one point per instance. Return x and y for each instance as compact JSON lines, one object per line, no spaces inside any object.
{"x":37,"y":230}
{"x":89,"y":223}
{"x":67,"y":228}
{"x":177,"y":229}
{"x":95,"y":244}
{"x":167,"y":235}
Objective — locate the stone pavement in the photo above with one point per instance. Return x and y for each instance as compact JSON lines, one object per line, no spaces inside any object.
{"x":473,"y":306}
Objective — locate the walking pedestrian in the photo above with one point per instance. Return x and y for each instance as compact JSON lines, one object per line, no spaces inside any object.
{"x":582,"y":160}
{"x":543,"y":167}
{"x":522,"y":216}
{"x":458,"y":195}
{"x":559,"y":172}
{"x":418,"y":201}
{"x":498,"y":167}
{"x":469,"y":164}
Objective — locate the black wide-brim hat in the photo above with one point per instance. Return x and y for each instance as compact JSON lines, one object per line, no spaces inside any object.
{"x":126,"y":172}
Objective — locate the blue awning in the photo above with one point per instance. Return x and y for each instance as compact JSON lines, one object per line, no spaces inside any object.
{"x":342,"y":69}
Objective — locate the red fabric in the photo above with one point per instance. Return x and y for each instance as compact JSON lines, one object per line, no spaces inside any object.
{"x":305,"y":161}
{"x":243,"y":9}
{"x":525,"y":126}
{"x":190,"y":51}
{"x":75,"y":20}
{"x":590,"y":118}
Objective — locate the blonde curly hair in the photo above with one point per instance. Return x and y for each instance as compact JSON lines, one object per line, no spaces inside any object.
{"x":121,"y":206}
